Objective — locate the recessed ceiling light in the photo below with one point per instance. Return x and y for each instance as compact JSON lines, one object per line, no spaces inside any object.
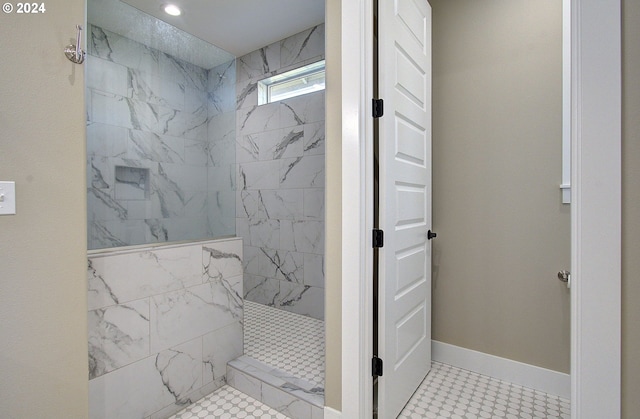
{"x":172,"y":9}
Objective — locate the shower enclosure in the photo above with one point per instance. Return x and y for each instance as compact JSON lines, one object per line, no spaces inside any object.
{"x":205,"y":214}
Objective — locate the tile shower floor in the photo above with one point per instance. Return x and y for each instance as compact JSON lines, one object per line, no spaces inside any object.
{"x":287,"y":341}
{"x":447,"y":392}
{"x":228,"y":403}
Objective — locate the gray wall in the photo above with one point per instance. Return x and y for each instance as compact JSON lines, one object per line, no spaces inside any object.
{"x":43,"y":291}
{"x":333,"y":229}
{"x":333,"y":205}
{"x":503,"y":233}
{"x":630,"y":208}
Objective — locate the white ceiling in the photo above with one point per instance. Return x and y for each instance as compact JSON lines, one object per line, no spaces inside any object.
{"x":239,"y":26}
{"x":122,"y":19}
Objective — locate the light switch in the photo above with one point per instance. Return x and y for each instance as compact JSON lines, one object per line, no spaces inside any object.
{"x":7,"y":198}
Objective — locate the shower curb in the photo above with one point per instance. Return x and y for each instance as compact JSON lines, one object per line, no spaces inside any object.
{"x":291,"y":396}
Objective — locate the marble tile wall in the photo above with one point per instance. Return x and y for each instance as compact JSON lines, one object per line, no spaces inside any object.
{"x":163,"y":322}
{"x":147,"y":109}
{"x":280,"y":180}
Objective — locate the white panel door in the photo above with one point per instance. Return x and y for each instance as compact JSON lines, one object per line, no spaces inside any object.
{"x":404,"y":37}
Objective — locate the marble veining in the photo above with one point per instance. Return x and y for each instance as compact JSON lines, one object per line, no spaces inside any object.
{"x":261,"y":290}
{"x":296,"y":52}
{"x":247,"y":91}
{"x":98,"y":287}
{"x":292,"y":138}
{"x":272,"y":204}
{"x":259,"y":175}
{"x":265,"y":233}
{"x":157,"y":230}
{"x":305,"y":109}
{"x":314,"y":274}
{"x":314,"y":138}
{"x":219,"y":152}
{"x":189,"y":312}
{"x":147,"y":89}
{"x":118,"y":335}
{"x":248,"y":147}
{"x":293,"y":295}
{"x":176,"y":69}
{"x":228,"y":297}
{"x":301,"y":299}
{"x":162,"y":325}
{"x":176,"y":119}
{"x":302,"y":236}
{"x":303,"y":46}
{"x":99,"y":44}
{"x":101,"y":235}
{"x":288,"y":266}
{"x":258,"y":118}
{"x":280,"y":173}
{"x":220,"y":347}
{"x":180,"y":373}
{"x":137,"y":275}
{"x":172,"y":198}
{"x":305,"y":171}
{"x":261,"y":62}
{"x":97,"y":179}
{"x":154,"y":147}
{"x":219,"y":264}
{"x":297,"y":118}
{"x":109,"y":202}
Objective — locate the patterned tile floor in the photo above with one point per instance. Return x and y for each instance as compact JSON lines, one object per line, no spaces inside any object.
{"x":450,"y":392}
{"x":295,"y":344}
{"x":228,"y":403}
{"x":447,"y":392}
{"x":287,"y":341}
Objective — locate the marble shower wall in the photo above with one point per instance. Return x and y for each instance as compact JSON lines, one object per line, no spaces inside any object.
{"x":163,"y":322}
{"x":160,"y":145}
{"x":280,"y":180}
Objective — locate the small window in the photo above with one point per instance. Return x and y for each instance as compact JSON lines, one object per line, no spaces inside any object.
{"x":300,"y":81}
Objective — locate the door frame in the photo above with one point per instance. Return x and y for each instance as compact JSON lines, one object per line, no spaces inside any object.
{"x":595,"y":210}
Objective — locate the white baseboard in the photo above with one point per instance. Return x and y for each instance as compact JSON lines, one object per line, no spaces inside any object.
{"x":330,"y":413}
{"x":537,"y":378}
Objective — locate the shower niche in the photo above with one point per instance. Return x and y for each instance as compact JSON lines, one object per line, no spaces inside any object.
{"x":131,"y":183}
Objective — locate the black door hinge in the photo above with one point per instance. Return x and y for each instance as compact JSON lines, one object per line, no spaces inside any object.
{"x":376,"y":366}
{"x":378,"y":238}
{"x":378,"y":108}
